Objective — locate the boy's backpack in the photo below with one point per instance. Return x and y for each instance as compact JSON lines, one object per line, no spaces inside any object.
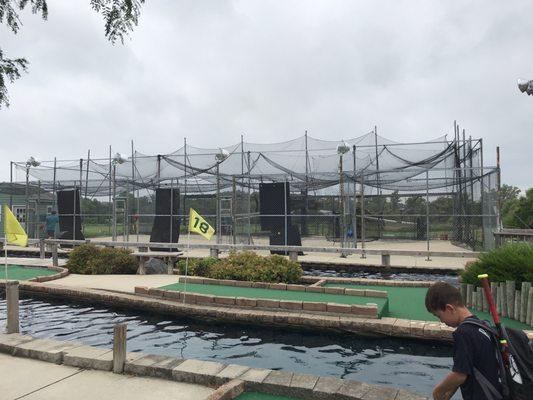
{"x":517,"y":376}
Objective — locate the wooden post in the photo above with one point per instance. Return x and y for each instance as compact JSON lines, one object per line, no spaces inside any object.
{"x":41,"y":249}
{"x":12,"y":300}
{"x":501,"y":309}
{"x":213,"y":252}
{"x":469,"y":290}
{"x":510,"y":288}
{"x":55,"y":261}
{"x":517,"y":304}
{"x":119,"y":347}
{"x":529,"y":313}
{"x":474,"y":299}
{"x":385,"y":260}
{"x":293,"y":255}
{"x":484,"y":302}
{"x":526,"y":287}
{"x":479,"y":299}
{"x":463,"y":292}
{"x":494,"y":291}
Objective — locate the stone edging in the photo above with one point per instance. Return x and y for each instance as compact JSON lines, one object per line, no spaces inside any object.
{"x":364,"y":281}
{"x":386,"y":326}
{"x":229,"y":379}
{"x":283,"y":286}
{"x":370,"y":310}
{"x":62,"y":272}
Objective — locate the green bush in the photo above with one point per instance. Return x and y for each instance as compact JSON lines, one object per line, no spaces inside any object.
{"x":512,"y":262}
{"x":88,"y":259}
{"x":197,"y":266}
{"x":248,"y":266}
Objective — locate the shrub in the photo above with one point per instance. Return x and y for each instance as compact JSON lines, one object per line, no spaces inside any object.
{"x":512,"y":262}
{"x":91,"y":260}
{"x":197,"y":266}
{"x":248,"y":266}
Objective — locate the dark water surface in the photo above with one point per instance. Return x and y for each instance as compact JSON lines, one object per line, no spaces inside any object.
{"x":407,"y":364}
{"x":403,"y":276}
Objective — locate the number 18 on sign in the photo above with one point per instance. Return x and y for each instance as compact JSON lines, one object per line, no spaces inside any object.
{"x":199,"y":225}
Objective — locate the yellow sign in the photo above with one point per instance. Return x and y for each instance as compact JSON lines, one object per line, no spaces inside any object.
{"x":199,"y":225}
{"x":13,"y":232}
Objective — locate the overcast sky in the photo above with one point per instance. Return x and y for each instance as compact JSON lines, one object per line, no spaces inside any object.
{"x":213,"y":70}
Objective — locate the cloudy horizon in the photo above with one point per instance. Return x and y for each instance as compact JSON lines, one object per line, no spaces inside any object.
{"x":213,"y":70}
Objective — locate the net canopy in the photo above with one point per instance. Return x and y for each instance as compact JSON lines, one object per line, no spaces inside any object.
{"x":309,"y":164}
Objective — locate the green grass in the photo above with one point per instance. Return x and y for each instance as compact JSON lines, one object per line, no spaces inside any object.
{"x":257,"y":293}
{"x":20,"y":273}
{"x":262,"y":396}
{"x":408,"y":303}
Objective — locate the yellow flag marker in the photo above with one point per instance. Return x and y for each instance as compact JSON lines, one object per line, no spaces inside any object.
{"x":198,"y":224}
{"x":13,"y":232}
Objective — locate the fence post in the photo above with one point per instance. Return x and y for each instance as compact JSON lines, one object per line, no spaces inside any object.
{"x":463,"y":292}
{"x":529,"y":313}
{"x":510,"y":287}
{"x":293,"y":255}
{"x":12,"y":300}
{"x":119,"y":347}
{"x":213,"y":252}
{"x":55,"y":261}
{"x":517,"y":304}
{"x":526,"y":287}
{"x":500,"y":299}
{"x":41,"y":249}
{"x":385,"y":259}
{"x":479,"y":293}
{"x":469,"y":290}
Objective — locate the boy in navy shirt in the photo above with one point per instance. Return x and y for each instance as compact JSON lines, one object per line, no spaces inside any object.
{"x":472,"y":348}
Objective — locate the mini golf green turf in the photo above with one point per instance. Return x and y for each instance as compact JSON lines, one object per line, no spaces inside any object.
{"x":262,"y":396}
{"x":273,"y":294}
{"x":20,"y":273}
{"x":409,"y":303}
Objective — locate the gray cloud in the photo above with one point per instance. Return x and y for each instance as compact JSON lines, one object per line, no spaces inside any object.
{"x":212,"y":70}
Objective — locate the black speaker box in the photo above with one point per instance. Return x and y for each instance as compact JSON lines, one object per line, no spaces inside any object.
{"x":272,"y":200}
{"x":68,"y":210}
{"x":166,"y":227}
{"x":277,"y":238}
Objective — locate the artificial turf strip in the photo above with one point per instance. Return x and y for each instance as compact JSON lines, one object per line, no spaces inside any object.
{"x":408,"y":303}
{"x":261,"y":396}
{"x":273,"y":294}
{"x":20,"y":273}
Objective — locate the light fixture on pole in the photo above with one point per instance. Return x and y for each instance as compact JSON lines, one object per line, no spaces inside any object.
{"x":526,"y":86}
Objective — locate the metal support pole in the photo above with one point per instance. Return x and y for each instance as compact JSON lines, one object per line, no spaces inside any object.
{"x":427,"y":213}
{"x":285,"y":212}
{"x":172,"y":235}
{"x":185,"y":212}
{"x":249,"y":210}
{"x":498,"y":189}
{"x":363,"y":254}
{"x":130,"y":221}
{"x":111,"y":188}
{"x":378,"y":185}
{"x":74,"y":212}
{"x":305,"y":230}
{"x":54,"y":185}
{"x":219,"y":219}
{"x":37,"y":208}
{"x":11,"y":185}
{"x":114,"y":205}
{"x":27,"y":211}
{"x":342,"y":207}
{"x":12,"y":303}
{"x":87,"y":173}
{"x":233,"y":204}
{"x":354,"y":215}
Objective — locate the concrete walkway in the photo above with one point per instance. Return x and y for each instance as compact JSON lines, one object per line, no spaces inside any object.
{"x":120,"y":283}
{"x":22,"y":378}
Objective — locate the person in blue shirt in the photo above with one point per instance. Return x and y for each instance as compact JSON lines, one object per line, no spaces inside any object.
{"x":473,"y":350}
{"x":50,"y":225}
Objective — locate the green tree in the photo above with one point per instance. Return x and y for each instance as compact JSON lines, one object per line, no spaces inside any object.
{"x":523,"y":211}
{"x":509,"y":202}
{"x":120,"y":17}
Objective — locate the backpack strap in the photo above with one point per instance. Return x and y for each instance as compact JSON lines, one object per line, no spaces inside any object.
{"x":491,"y":393}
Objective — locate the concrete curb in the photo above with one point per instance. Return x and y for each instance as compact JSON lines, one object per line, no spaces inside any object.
{"x":370,"y":310}
{"x":228,"y":380}
{"x":320,"y":280}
